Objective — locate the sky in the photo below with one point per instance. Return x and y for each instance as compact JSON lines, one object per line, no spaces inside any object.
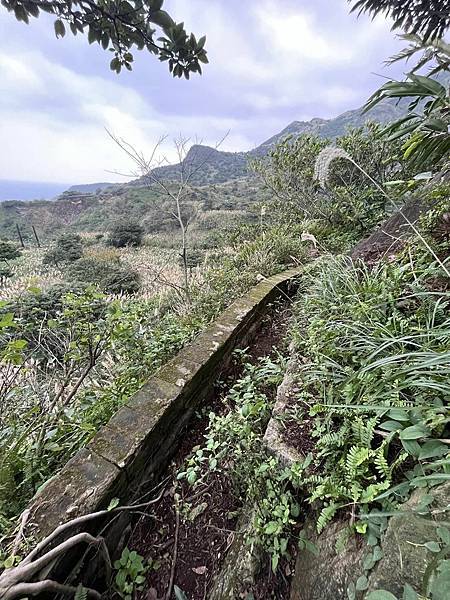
{"x":271,"y":62}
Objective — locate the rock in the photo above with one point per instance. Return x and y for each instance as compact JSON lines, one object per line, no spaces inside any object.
{"x":404,"y":558}
{"x":274,"y":437}
{"x":327,"y":575}
{"x":241,"y":564}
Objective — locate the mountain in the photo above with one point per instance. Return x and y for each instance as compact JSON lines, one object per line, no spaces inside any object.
{"x":89,"y":188}
{"x":212,"y":166}
{"x":224,"y":189}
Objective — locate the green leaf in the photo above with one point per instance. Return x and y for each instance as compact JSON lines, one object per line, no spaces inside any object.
{"x":92,"y":35}
{"x":414,"y":432}
{"x":156,"y":4}
{"x":271,"y":527}
{"x":60,"y":30}
{"x":432,"y":448}
{"x":411,"y":447}
{"x":441,"y":582}
{"x":114,"y":502}
{"x":432,"y":546}
{"x":362,"y":583}
{"x":380,"y":595}
{"x":351,"y":592}
{"x":192,"y":477}
{"x":390,"y":425}
{"x":399,"y":414}
{"x":361,"y":527}
{"x":9,"y":561}
{"x":368,"y":562}
{"x":377,"y":553}
{"x":275,"y":559}
{"x":162,"y":18}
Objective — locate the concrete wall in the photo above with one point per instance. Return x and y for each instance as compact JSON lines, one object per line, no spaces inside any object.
{"x":142,"y":437}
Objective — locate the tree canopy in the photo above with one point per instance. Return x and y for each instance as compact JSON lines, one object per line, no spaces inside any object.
{"x":429,"y":18}
{"x":121,"y":26}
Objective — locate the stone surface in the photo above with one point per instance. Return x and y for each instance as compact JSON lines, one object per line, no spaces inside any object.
{"x":405,"y":559}
{"x":327,"y":575}
{"x":274,"y":436}
{"x":241,"y":565}
{"x":85,"y":484}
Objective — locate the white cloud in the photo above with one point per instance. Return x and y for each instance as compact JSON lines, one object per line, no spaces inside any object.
{"x":70,"y":143}
{"x":18,"y":78}
{"x":297,"y":34}
{"x":270,"y":62}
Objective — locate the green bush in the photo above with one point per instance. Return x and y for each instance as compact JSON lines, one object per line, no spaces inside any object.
{"x":68,"y":248}
{"x":121,"y":280}
{"x":111,"y":277}
{"x":5,"y":271}
{"x":8,"y":250}
{"x":194,"y":257}
{"x":255,"y":254}
{"x":126,"y":233}
{"x":38,"y":305}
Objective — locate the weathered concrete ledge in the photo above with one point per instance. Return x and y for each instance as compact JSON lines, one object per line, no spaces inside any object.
{"x":142,"y":437}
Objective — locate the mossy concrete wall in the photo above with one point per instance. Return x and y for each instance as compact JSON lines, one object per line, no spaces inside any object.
{"x":142,"y":437}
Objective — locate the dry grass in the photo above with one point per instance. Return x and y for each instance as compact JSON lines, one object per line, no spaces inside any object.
{"x":28,"y":271}
{"x":159,"y":269}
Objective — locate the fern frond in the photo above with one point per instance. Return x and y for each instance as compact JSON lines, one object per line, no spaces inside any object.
{"x":355,"y":458}
{"x":381,"y":464}
{"x":326,"y":514}
{"x":81,"y":593}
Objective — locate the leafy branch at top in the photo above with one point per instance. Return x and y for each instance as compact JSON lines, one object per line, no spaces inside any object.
{"x":120,"y":26}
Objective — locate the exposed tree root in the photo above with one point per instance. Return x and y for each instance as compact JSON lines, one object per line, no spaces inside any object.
{"x":17,"y":581}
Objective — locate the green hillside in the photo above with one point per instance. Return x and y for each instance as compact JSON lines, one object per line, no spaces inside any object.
{"x":207,"y":207}
{"x":223,"y":188}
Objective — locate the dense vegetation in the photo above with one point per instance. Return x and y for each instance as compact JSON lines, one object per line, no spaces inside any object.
{"x":87,"y":318}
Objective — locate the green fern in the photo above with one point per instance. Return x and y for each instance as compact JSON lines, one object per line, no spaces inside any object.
{"x":356,"y":457}
{"x":81,"y":593}
{"x":381,"y":463}
{"x":326,"y":514}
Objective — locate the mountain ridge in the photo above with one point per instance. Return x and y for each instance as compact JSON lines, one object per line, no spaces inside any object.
{"x":221,"y":166}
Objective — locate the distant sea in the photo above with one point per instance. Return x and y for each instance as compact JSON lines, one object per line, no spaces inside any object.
{"x":30,"y":190}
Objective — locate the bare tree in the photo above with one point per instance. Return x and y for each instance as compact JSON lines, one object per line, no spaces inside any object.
{"x":175,"y":184}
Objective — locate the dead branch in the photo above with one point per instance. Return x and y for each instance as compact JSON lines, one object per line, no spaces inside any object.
{"x":22,"y":590}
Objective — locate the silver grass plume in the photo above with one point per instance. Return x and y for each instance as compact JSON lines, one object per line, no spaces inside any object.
{"x":322,"y":167}
{"x":322,"y":173}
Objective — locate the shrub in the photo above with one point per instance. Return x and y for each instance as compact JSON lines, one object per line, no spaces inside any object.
{"x":126,"y":233}
{"x":8,"y":250}
{"x":5,"y":271}
{"x":121,"y":280}
{"x":195,"y":257}
{"x":110,"y":277}
{"x":68,"y":248}
{"x":38,"y":305}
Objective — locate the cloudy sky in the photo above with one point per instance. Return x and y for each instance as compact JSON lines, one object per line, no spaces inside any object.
{"x":271,"y":62}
